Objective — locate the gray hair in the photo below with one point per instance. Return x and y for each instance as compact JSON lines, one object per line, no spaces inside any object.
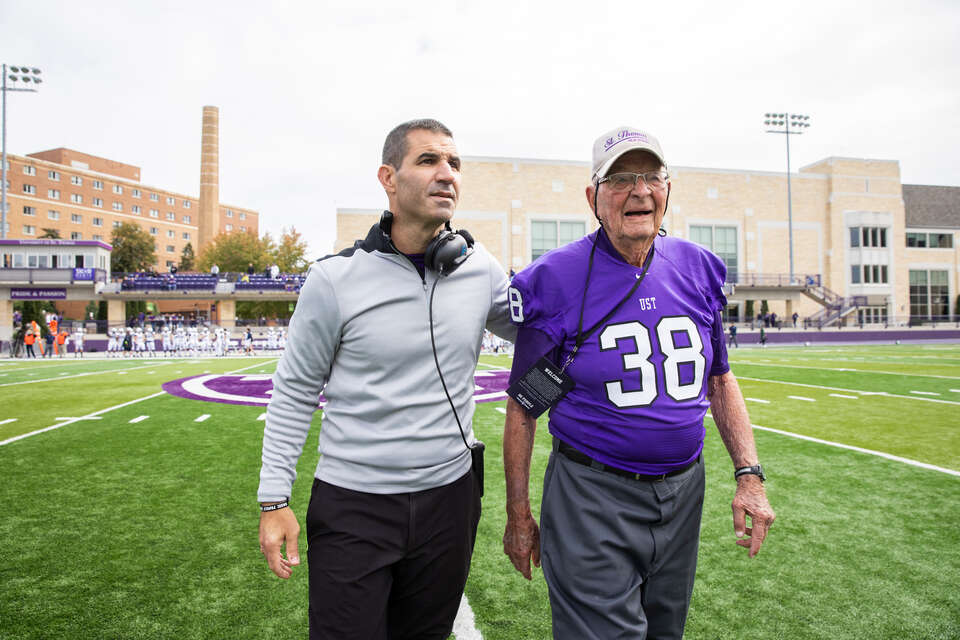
{"x":395,"y":146}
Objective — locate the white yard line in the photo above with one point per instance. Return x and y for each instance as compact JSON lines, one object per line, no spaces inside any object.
{"x":8,"y":421}
{"x":102,"y":411}
{"x":76,"y":375}
{"x":96,"y":413}
{"x":805,"y":399}
{"x":863,"y":393}
{"x":138,"y":419}
{"x":79,"y":418}
{"x":925,"y":393}
{"x":758,"y":400}
{"x":840,"y":395}
{"x":915,"y":463}
{"x":500,"y":409}
{"x":465,"y":626}
{"x":262,"y":416}
{"x":202,"y":418}
{"x":802,"y":366}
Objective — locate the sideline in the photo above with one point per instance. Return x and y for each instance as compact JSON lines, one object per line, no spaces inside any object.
{"x":465,"y":626}
{"x":842,"y":369}
{"x":102,"y":411}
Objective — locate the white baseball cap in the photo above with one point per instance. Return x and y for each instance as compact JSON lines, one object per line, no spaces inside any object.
{"x":613,"y":144}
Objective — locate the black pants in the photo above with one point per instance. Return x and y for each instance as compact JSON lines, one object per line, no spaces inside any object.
{"x":30,"y":353}
{"x":389,"y":567}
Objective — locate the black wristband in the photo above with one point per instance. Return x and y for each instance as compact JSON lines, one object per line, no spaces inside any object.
{"x":274,"y":507}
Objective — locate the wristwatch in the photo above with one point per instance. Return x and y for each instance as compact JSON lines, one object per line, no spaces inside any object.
{"x":756,"y":470}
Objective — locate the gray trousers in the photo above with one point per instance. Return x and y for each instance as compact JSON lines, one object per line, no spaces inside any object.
{"x":619,"y":555}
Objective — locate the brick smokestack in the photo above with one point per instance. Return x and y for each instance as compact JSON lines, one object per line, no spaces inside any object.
{"x":208,"y":222}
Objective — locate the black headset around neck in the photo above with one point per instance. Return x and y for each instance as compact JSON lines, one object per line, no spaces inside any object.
{"x":446,"y":251}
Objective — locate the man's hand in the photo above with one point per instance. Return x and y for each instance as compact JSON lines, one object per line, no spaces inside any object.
{"x":521,"y":541}
{"x":278,"y":530}
{"x":751,"y":500}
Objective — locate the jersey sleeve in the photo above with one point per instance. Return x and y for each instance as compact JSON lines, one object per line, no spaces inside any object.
{"x":713,"y":276}
{"x":536,"y":302}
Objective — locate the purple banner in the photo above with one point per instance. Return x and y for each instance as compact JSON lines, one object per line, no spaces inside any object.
{"x":19,"y":293}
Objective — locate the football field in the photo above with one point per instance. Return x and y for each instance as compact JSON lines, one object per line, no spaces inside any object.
{"x":130,"y":512}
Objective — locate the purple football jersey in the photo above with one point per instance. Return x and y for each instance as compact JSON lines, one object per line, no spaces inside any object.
{"x":641,"y":377}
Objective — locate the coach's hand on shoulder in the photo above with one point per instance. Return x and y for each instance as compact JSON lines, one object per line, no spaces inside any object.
{"x":751,"y":500}
{"x":280,"y":530}
{"x":521,"y":541}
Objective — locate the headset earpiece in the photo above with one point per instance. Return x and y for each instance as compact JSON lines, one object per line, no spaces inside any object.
{"x":448,"y":251}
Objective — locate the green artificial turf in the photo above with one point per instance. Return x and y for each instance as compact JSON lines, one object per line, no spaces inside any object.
{"x":149,"y":529}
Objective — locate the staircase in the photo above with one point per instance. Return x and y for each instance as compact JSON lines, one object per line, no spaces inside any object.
{"x":835,"y":306}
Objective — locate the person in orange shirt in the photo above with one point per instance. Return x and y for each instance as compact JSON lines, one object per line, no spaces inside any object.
{"x":29,"y":339}
{"x":34,"y":328}
{"x":61,"y":345}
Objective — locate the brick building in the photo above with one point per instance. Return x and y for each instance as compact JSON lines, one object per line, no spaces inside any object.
{"x":84,"y":197}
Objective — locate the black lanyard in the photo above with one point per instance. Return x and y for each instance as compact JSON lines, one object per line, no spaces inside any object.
{"x":581,"y":335}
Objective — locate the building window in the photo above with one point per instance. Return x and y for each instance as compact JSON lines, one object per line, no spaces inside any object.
{"x":929,"y":295}
{"x":872,"y":274}
{"x":171,"y":248}
{"x":116,"y":224}
{"x":713,"y":193}
{"x":98,"y":222}
{"x":98,"y":184}
{"x":154,"y":213}
{"x":186,"y":236}
{"x":29,"y":211}
{"x":186,"y":219}
{"x":76,"y":235}
{"x":135,"y":208}
{"x":868,"y":237}
{"x":872,"y":315}
{"x":855,"y":274}
{"x":243,"y":216}
{"x":135,"y":193}
{"x":186,"y":204}
{"x":722,"y":241}
{"x":117,"y":206}
{"x":53,"y":194}
{"x":229,"y":227}
{"x":170,"y":216}
{"x":550,"y":234}
{"x":29,"y":230}
{"x":154,"y":197}
{"x":53,"y":214}
{"x":97,"y":202}
{"x":97,"y":237}
{"x":154,"y":231}
{"x":29,"y":188}
{"x":171,"y":233}
{"x":54,"y":175}
{"x":931,"y":240}
{"x":76,"y":218}
{"x":243,"y":229}
{"x":229,"y":213}
{"x":76,"y":197}
{"x":30,"y":171}
{"x":77,"y":180}
{"x":117,"y":189}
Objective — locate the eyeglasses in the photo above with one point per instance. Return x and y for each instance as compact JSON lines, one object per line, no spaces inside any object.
{"x":655,"y":180}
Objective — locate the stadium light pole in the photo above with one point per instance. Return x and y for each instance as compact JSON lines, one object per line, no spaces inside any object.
{"x":782,"y":123}
{"x":28,"y":76}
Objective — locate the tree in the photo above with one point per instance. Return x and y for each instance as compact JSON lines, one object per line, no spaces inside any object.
{"x":50,"y":233}
{"x":133,"y":249}
{"x":290,"y":253}
{"x":188,"y":259}
{"x":234,"y":251}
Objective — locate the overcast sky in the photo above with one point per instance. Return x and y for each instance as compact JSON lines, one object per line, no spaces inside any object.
{"x":307,"y":91}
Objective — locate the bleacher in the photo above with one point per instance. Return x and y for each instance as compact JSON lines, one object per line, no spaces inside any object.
{"x":207,"y":282}
{"x":266,"y":283}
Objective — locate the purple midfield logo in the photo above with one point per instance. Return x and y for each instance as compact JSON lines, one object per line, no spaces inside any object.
{"x":255,"y":389}
{"x":624,"y":135}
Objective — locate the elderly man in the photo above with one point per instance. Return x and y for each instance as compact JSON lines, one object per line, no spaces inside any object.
{"x":621,"y":334}
{"x":392,"y":326}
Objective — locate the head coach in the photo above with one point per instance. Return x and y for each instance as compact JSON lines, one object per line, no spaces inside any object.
{"x":621,"y":336}
{"x":390,"y":330}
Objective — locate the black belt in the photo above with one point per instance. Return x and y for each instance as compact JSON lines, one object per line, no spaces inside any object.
{"x":575,"y":455}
